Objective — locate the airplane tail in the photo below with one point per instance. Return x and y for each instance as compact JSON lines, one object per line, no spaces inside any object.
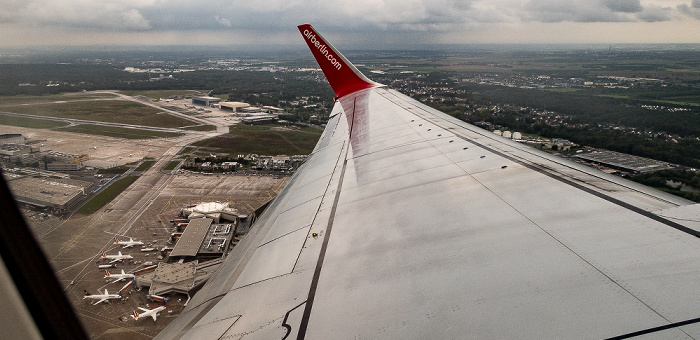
{"x":107,"y":274}
{"x":86,"y":293}
{"x":341,"y":74}
{"x":116,"y":240}
{"x":104,"y":255}
{"x":135,"y":315}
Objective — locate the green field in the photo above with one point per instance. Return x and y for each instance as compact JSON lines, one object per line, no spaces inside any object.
{"x":185,"y":150}
{"x":157,"y":94}
{"x":674,"y":102}
{"x":200,"y":128}
{"x":118,"y":132}
{"x":560,"y":89}
{"x":107,"y":195}
{"x":115,"y":170}
{"x":145,"y":165}
{"x":113,"y":111}
{"x":262,"y":140}
{"x":18,"y":100}
{"x":171,"y":165}
{"x":30,"y":122}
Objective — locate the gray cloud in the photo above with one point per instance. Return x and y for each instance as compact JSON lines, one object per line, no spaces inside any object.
{"x":342,"y":15}
{"x":627,"y":6}
{"x":101,"y":15}
{"x":576,"y":11}
{"x":222,"y":21}
{"x":597,"y":11}
{"x":655,"y":14}
{"x":693,"y":10}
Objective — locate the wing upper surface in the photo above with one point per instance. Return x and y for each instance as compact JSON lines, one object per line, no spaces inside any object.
{"x":407,"y":223}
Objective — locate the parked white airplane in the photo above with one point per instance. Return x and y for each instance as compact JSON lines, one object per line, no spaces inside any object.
{"x":101,"y":297}
{"x":147,"y":312}
{"x":128,"y":244}
{"x":119,"y":277}
{"x":118,"y":257}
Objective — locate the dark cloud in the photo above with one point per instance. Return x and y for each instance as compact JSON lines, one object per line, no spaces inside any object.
{"x":576,"y":11}
{"x":693,"y":10}
{"x":355,"y":16}
{"x":655,"y":14}
{"x":595,"y":11}
{"x":626,"y":6}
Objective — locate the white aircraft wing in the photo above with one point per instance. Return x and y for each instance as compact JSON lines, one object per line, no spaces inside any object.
{"x":100,"y":301}
{"x":154,"y":316}
{"x":407,"y":223}
{"x":144,"y":309}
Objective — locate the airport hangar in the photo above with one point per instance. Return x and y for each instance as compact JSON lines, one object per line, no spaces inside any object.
{"x":56,"y":194}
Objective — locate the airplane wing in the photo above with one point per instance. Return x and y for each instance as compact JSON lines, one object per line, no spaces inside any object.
{"x":154,"y":316}
{"x":143,"y":309}
{"x":407,"y":223}
{"x":100,"y":301}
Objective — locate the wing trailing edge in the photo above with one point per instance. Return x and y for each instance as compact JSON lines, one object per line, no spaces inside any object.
{"x":341,"y":74}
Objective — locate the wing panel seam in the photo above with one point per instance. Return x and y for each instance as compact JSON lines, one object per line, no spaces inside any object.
{"x":317,"y":272}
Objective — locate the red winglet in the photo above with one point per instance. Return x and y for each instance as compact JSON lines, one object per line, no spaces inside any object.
{"x":341,"y":74}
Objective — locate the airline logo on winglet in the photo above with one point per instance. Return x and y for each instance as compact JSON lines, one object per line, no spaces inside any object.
{"x":343,"y":77}
{"x":323,"y":49}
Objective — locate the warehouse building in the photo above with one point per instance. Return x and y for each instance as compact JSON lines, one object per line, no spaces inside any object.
{"x":256,"y":120}
{"x":623,"y":162}
{"x":205,"y":100}
{"x":12,"y":138}
{"x":64,"y":166}
{"x":55,"y":194}
{"x":233,"y":106}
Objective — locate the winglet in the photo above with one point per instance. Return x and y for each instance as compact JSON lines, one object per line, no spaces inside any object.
{"x":341,"y":74}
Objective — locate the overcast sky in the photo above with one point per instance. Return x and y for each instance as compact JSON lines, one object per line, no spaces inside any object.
{"x":351,"y":22}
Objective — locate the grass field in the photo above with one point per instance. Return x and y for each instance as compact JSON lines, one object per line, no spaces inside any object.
{"x":200,"y":128}
{"x":157,"y":94}
{"x":145,"y":166}
{"x":30,"y":123}
{"x":113,"y":111}
{"x":115,"y":170}
{"x":262,"y":140}
{"x":18,"y":100}
{"x":560,"y":89}
{"x":185,"y":150}
{"x":171,"y":165}
{"x":107,"y":195}
{"x":118,"y":132}
{"x":675,"y":102}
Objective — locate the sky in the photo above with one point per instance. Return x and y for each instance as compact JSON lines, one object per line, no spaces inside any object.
{"x":370,"y":23}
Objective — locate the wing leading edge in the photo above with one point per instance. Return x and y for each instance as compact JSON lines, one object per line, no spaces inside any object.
{"x":408,"y":223}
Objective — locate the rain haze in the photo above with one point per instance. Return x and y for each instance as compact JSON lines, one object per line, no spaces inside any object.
{"x":367,"y":23}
